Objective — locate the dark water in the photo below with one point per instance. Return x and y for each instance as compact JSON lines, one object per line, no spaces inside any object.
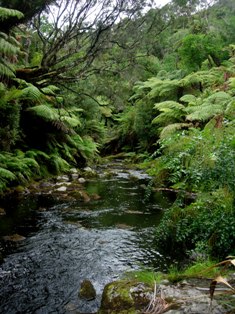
{"x":70,"y":242}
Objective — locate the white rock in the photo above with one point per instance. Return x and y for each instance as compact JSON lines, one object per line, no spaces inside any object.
{"x":88,"y":169}
{"x":73,"y":170}
{"x":62,"y":189}
{"x":74,"y":176}
{"x":81,"y":180}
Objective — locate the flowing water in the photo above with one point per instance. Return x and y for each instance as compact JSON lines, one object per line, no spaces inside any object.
{"x":98,"y":240}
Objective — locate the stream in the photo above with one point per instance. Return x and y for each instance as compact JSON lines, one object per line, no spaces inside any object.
{"x":68,"y":242}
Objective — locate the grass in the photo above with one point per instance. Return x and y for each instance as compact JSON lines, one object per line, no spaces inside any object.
{"x":203,"y":269}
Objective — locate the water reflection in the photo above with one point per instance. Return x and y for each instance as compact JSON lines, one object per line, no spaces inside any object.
{"x":99,"y":240}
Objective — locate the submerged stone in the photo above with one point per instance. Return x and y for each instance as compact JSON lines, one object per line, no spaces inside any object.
{"x":87,"y":290}
{"x":14,"y":238}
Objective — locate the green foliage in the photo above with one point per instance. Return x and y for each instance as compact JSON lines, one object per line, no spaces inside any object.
{"x":196,"y":48}
{"x":209,"y":219}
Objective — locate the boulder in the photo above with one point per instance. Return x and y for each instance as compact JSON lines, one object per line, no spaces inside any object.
{"x":87,"y":290}
{"x":125,"y":297}
{"x":81,"y":180}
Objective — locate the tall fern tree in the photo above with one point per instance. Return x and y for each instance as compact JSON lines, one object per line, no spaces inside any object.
{"x":9,"y":47}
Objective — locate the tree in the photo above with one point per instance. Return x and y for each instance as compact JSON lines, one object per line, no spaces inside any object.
{"x":73,"y":33}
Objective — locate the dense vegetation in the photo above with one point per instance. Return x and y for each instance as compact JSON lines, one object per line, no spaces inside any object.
{"x":159,"y":85}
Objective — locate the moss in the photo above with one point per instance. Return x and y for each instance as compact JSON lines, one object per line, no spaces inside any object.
{"x":87,"y":290}
{"x":125,"y":297}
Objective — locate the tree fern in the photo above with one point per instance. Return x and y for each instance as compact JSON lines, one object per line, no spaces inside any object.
{"x":8,"y":13}
{"x":209,"y":78}
{"x":211,"y":106}
{"x":189,"y":99}
{"x":9,"y":47}
{"x":171,"y":111}
{"x":172,"y":128}
{"x":50,"y":90}
{"x":32,"y":93}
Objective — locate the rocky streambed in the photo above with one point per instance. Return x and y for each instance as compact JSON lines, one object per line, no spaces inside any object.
{"x":91,"y":226}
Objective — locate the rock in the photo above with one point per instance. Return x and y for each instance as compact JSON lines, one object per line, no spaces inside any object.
{"x":64,"y":178}
{"x":89,"y":172}
{"x":2,"y":211}
{"x":95,"y":196}
{"x":81,"y":180}
{"x":125,"y":297}
{"x":63,"y":183}
{"x":86,"y":198}
{"x":88,"y":169}
{"x":73,"y":170}
{"x":14,"y":238}
{"x":74,"y":176}
{"x":87,"y":290}
{"x":62,"y":189}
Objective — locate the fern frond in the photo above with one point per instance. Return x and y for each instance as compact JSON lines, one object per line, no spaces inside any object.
{"x":36,"y":154}
{"x":171,"y":111}
{"x":172,"y":128}
{"x":45,"y":111}
{"x":6,"y":70}
{"x":230,"y":110}
{"x":205,"y":113}
{"x":50,"y":90}
{"x":7,"y":48}
{"x":8,"y":13}
{"x":72,"y":122}
{"x":189,"y":99}
{"x":169,"y":104}
{"x":31,"y":93}
{"x":58,"y":164}
{"x":6,"y":175}
{"x":206,"y":78}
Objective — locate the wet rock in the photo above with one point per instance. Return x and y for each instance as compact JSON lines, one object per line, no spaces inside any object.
{"x":73,"y":170}
{"x":2,"y":211}
{"x":85,"y":197}
{"x":62,"y":189}
{"x":74,"y":176}
{"x":125,"y":297}
{"x":87,"y":290}
{"x":14,"y":238}
{"x":81,"y":180}
{"x":89,"y":172}
{"x":64,"y":178}
{"x":63,"y":183}
{"x":95,"y":196}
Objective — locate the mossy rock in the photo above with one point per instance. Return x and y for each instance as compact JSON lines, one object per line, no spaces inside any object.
{"x":125,"y":297}
{"x":87,"y":290}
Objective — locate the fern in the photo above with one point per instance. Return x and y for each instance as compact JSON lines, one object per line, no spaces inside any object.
{"x":58,"y":164}
{"x":8,"y":13}
{"x":86,"y":146}
{"x":211,"y":106}
{"x":171,"y":112}
{"x":189,"y":99}
{"x":50,"y":90}
{"x":6,"y":175}
{"x":172,"y":128}
{"x":32,"y":93}
{"x":72,"y":122}
{"x":206,"y":78}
